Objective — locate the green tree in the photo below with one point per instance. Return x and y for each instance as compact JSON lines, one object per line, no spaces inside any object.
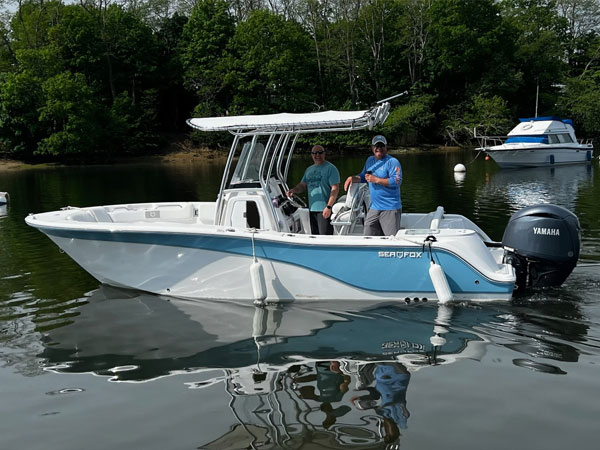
{"x":119,"y":56}
{"x":72,"y":117}
{"x":539,"y":52}
{"x":379,"y":68}
{"x":469,"y":49}
{"x":202,"y":47}
{"x":175,"y":104}
{"x":407,"y":124}
{"x":332,"y":38}
{"x":581,"y":102}
{"x":20,"y":97}
{"x":486,"y":115}
{"x":582,"y":19}
{"x":32,"y":21}
{"x":272,"y":66}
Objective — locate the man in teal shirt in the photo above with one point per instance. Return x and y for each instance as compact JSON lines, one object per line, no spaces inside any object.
{"x":322,"y":181}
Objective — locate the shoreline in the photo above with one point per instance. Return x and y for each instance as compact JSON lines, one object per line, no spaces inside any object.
{"x":183,"y":153}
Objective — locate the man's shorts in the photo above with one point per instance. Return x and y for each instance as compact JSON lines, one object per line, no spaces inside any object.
{"x":382,"y":223}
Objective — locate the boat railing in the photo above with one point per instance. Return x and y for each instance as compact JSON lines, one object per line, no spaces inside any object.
{"x":586,"y":141}
{"x":490,"y":141}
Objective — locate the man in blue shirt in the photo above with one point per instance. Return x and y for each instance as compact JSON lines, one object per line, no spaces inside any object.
{"x":384,"y":175}
{"x":322,"y":181}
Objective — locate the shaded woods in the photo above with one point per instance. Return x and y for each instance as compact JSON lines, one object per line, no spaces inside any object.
{"x":95,"y":78}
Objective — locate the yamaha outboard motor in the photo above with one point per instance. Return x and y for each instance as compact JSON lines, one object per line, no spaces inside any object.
{"x":542,"y":244}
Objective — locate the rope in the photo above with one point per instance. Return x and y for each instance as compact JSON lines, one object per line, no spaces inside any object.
{"x":475,"y":157}
{"x":253,"y":231}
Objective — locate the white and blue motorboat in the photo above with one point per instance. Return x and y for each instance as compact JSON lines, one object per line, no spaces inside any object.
{"x":254,"y":243}
{"x":538,"y":141}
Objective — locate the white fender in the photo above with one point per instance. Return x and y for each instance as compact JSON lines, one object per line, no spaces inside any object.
{"x":259,"y":327}
{"x":440,"y":283}
{"x":437,"y":341}
{"x":257,"y":276}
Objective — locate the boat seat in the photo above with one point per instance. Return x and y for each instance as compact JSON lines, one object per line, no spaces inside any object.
{"x":101,"y":214}
{"x":169,"y":212}
{"x":304,"y":215}
{"x":206,"y":213}
{"x":348,"y":209}
{"x":81,"y":216}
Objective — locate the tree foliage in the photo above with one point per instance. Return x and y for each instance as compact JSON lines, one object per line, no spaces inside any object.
{"x":101,"y":77}
{"x":202,"y":48}
{"x":270,"y":66}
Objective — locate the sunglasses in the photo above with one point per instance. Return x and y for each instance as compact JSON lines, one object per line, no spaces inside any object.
{"x":318,"y":152}
{"x":379,"y":145}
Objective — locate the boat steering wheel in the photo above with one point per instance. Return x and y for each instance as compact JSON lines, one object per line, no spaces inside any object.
{"x":296,"y":201}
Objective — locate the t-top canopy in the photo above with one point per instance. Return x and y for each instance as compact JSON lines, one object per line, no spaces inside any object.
{"x":335,"y":120}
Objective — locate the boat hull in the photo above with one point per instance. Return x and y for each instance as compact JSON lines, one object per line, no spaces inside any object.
{"x":215,"y":264}
{"x":513,"y":156}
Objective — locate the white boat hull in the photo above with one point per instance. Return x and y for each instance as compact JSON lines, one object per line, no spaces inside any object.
{"x":507,"y":156}
{"x":210,"y":262}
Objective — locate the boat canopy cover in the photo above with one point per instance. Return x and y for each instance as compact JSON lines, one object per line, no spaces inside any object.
{"x":540,"y":119}
{"x":351,"y":120}
{"x":546,"y":118}
{"x":536,"y":127}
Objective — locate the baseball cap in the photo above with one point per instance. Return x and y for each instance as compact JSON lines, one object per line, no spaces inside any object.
{"x":379,"y":139}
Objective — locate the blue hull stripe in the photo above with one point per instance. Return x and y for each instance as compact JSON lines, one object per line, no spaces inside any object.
{"x":373,"y":268}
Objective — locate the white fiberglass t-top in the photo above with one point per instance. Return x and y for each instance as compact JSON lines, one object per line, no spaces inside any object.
{"x":263,"y":147}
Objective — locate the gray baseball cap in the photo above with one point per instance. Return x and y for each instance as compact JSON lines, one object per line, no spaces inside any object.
{"x":379,"y":139}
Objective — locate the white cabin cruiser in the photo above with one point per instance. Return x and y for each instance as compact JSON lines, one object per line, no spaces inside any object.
{"x":538,"y":141}
{"x":3,"y":198}
{"x":254,"y":243}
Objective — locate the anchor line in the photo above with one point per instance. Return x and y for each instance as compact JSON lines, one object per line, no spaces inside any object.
{"x":253,"y":231}
{"x":475,"y":157}
{"x":428,"y":241}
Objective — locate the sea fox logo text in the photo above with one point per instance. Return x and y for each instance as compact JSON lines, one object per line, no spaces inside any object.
{"x":546,"y":231}
{"x":400,"y":255}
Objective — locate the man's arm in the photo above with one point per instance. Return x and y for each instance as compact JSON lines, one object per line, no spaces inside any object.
{"x":394,"y":176}
{"x":335,"y":189}
{"x":300,"y":187}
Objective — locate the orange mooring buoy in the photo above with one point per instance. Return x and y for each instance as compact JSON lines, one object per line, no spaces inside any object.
{"x":487,"y":157}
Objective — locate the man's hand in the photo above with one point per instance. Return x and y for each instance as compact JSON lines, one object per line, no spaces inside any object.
{"x":372,"y":178}
{"x":348,"y":183}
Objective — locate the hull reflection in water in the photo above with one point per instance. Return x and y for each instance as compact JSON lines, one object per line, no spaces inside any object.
{"x":521,"y":188}
{"x":333,"y":377}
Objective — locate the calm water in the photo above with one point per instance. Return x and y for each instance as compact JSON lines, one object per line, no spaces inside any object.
{"x":90,"y":367}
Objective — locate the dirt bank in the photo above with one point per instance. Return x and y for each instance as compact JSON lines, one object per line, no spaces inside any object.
{"x":180,"y":153}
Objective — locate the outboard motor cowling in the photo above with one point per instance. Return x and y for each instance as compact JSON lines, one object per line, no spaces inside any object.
{"x":542,"y":243}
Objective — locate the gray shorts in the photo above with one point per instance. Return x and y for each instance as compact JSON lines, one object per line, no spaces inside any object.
{"x":382,"y":223}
